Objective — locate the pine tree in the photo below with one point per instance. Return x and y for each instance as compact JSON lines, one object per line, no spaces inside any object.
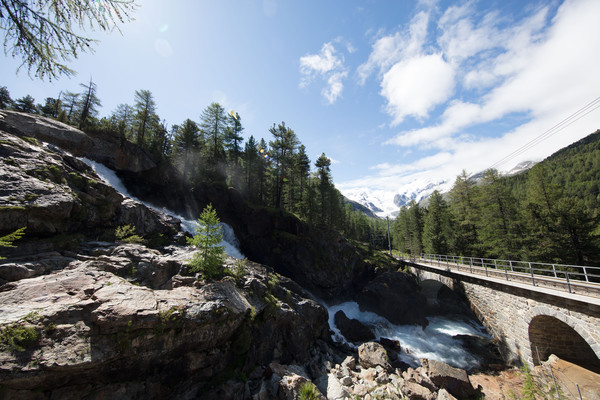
{"x":500,"y":226}
{"x":233,"y":146}
{"x":463,"y":208}
{"x":87,"y":107}
{"x":5,"y":99}
{"x":25,"y":104}
{"x":303,"y":166}
{"x":209,"y":260}
{"x":283,"y":147}
{"x":437,"y":229}
{"x":70,"y":101}
{"x":186,"y":146}
{"x":324,"y":173}
{"x":51,"y":108}
{"x":212,"y":124}
{"x":144,"y":115}
{"x":123,"y":116}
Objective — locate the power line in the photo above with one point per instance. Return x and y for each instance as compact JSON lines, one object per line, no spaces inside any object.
{"x":577,"y":115}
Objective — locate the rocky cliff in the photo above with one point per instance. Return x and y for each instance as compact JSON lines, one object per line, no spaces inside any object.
{"x":127,"y":319}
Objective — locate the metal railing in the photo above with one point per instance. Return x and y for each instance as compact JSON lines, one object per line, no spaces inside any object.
{"x":576,"y":279}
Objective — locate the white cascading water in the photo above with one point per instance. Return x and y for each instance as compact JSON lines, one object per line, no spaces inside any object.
{"x":434,"y":342}
{"x":110,"y":178}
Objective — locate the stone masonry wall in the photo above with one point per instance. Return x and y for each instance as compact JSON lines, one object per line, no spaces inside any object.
{"x":507,"y":315}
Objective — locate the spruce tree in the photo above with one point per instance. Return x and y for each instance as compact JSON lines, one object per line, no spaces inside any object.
{"x":209,"y":260}
{"x":5,"y":99}
{"x":283,"y":147}
{"x":212,"y":125}
{"x":437,"y":228}
{"x":187,"y":142}
{"x":144,"y":115}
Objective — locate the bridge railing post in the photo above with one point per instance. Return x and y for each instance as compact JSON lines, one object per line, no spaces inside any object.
{"x":532,"y":278}
{"x":511,"y":266}
{"x":470,"y":265}
{"x":554,"y":270}
{"x":506,"y":271}
{"x":585,"y":273}
{"x":568,"y":281}
{"x":485,"y":267}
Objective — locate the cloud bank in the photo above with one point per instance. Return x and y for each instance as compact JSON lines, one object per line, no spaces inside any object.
{"x":476,"y":84}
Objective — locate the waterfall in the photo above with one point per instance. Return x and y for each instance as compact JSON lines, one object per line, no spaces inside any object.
{"x":435,"y":342}
{"x":109,"y":176}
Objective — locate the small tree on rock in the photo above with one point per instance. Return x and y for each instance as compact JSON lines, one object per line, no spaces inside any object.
{"x":209,"y":261}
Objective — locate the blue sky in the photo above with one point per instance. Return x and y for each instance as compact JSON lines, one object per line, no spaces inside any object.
{"x":394,"y":92}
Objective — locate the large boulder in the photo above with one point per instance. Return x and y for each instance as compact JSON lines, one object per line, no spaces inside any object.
{"x":353,"y":330}
{"x":454,"y":380}
{"x":372,"y":354}
{"x":395,"y":296}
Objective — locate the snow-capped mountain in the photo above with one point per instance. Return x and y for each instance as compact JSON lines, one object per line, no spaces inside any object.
{"x":388,"y":202}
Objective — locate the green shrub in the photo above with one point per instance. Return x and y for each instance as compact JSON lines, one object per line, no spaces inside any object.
{"x":17,"y":337}
{"x":308,"y":391}
{"x":530,"y":388}
{"x":7,"y":241}
{"x":126,"y":233}
{"x":239,"y":271}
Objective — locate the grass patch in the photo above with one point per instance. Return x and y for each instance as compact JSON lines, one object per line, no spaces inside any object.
{"x":18,"y":336}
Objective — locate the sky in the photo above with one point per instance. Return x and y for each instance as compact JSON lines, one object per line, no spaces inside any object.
{"x":393,"y":92}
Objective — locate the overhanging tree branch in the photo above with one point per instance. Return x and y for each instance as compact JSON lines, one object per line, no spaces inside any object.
{"x":41,"y":31}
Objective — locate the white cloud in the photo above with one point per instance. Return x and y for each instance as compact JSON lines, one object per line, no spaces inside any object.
{"x":334,"y":87}
{"x":538,"y":73}
{"x":328,"y":64}
{"x":390,"y":49}
{"x":414,"y":86}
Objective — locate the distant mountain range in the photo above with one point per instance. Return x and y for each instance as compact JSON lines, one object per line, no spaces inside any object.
{"x":382,"y":203}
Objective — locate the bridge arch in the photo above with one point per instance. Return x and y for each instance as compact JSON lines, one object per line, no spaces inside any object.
{"x":557,"y":333}
{"x":442,"y":296}
{"x":430,"y":288}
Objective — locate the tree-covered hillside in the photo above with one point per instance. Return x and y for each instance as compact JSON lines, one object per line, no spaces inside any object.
{"x":549,"y":213}
{"x":273,"y":172}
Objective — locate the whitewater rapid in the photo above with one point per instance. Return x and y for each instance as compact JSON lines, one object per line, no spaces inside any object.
{"x":437,"y":341}
{"x":110,"y":177}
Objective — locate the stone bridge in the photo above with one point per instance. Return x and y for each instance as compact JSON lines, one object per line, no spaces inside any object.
{"x":528,"y":321}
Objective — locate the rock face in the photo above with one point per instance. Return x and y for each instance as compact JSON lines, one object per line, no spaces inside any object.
{"x":113,"y":151}
{"x":395,"y":296}
{"x":60,"y":199}
{"x":101,"y":324}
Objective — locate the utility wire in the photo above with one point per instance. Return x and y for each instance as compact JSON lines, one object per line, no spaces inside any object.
{"x":577,"y":115}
